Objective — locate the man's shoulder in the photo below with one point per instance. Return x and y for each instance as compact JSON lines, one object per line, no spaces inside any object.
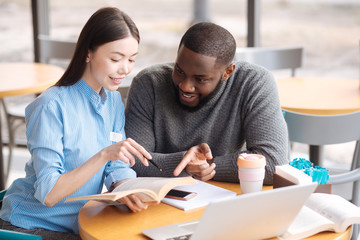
{"x":246,"y":72}
{"x":154,"y":75}
{"x":156,"y":69}
{"x":246,"y":68}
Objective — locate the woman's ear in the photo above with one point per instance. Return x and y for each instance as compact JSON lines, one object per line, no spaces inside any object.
{"x":87,"y":60}
{"x":228,"y":71}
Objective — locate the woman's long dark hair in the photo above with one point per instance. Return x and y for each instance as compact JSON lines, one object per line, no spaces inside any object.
{"x":105,"y":25}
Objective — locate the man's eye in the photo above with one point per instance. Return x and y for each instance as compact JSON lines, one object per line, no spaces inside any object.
{"x":179,"y":71}
{"x":201,"y":80}
{"x":115,"y":60}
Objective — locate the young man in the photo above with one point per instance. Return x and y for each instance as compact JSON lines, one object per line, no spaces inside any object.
{"x":198,"y":114}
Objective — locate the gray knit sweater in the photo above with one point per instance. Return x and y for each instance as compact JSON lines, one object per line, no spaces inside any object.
{"x":245,"y":109}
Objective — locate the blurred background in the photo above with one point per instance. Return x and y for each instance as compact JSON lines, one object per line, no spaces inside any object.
{"x":328,"y":30}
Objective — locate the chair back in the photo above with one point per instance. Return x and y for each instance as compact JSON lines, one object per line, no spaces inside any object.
{"x":54,"y":49}
{"x":50,"y":48}
{"x":322,"y":129}
{"x":272,"y":58}
{"x":329,"y":129}
{"x":124,"y":93}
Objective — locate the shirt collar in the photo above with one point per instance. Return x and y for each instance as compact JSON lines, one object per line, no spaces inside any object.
{"x":92,"y":95}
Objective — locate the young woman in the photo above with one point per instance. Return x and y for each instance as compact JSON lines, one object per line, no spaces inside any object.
{"x":73,"y":132}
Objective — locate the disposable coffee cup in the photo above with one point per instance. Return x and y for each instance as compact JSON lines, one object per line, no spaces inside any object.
{"x":251,"y":171}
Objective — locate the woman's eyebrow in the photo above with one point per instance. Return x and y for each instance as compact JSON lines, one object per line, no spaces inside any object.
{"x":122,"y":54}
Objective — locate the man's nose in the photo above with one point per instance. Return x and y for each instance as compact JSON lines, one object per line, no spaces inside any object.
{"x":187,"y":85}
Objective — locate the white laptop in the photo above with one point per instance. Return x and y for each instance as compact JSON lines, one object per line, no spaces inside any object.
{"x":249,"y":216}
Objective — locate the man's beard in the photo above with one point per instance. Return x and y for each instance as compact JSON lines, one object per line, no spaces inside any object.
{"x":202,"y":102}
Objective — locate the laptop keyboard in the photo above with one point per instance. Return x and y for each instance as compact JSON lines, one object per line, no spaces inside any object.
{"x":183,"y":237}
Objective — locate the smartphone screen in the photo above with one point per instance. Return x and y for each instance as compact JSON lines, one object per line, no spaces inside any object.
{"x":181,"y":195}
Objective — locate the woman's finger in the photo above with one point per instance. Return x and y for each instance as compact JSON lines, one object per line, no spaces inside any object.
{"x":129,"y":203}
{"x":140,"y":148}
{"x":138,"y":203}
{"x":134,"y":148}
{"x":123,"y":158}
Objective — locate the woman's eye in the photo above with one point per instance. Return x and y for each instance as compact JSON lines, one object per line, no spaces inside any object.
{"x":115,"y":60}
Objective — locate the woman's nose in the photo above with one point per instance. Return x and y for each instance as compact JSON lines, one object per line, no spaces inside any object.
{"x":123,"y":68}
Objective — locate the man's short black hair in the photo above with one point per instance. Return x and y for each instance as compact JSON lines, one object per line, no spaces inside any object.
{"x":210,"y":40}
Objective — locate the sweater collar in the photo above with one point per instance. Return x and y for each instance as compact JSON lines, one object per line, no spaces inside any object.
{"x":209,"y":101}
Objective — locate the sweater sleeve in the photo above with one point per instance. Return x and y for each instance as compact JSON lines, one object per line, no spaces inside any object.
{"x":263,"y":123}
{"x":140,"y":127}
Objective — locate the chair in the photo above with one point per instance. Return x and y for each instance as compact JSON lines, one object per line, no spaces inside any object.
{"x":124,"y":93}
{"x":272,"y":58}
{"x":2,"y":194}
{"x":330,"y":129}
{"x":12,"y":235}
{"x":50,"y":50}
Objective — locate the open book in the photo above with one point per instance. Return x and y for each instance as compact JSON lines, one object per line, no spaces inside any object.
{"x":148,"y":189}
{"x":323,"y":212}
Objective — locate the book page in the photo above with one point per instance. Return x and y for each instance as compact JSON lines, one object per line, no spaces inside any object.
{"x":307,"y":223}
{"x":146,"y":188}
{"x":160,"y":186}
{"x":335,"y":208}
{"x":144,"y":194}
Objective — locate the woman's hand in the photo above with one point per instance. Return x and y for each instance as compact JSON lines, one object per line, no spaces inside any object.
{"x":70,"y":182}
{"x":125,"y":151}
{"x":135,"y":204}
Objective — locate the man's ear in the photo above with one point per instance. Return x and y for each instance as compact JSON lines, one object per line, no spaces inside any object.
{"x":228,"y":71}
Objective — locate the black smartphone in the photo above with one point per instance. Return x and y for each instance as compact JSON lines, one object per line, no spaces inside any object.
{"x":180,"y":195}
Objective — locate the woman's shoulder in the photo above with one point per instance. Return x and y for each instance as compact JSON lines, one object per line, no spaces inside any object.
{"x":52,"y":94}
{"x":49,"y":99}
